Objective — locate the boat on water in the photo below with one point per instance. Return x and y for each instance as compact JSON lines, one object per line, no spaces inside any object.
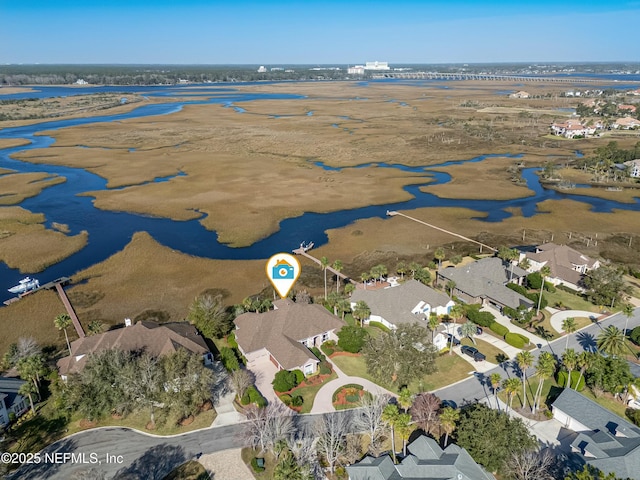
{"x":306,"y":246}
{"x":25,"y":285}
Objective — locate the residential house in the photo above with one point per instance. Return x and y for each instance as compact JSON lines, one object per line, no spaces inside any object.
{"x":571,"y":129}
{"x":150,"y":337}
{"x":11,"y":402}
{"x":520,"y":94}
{"x":568,"y":266}
{"x":484,"y":282}
{"x":409,"y":302}
{"x":604,"y":440}
{"x":627,"y":108}
{"x":634,"y":167}
{"x":626,"y":123}
{"x":634,"y":92}
{"x":425,"y":461}
{"x":285,"y":335}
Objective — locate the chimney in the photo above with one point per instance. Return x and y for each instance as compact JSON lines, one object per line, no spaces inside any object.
{"x":127,"y":322}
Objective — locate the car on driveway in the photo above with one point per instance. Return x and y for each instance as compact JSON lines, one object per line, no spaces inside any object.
{"x":449,"y":336}
{"x":473,"y":353}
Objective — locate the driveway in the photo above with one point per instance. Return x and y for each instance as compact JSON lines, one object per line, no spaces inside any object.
{"x":265,"y":371}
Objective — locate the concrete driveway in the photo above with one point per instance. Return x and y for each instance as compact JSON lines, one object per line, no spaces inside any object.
{"x":560,"y":316}
{"x":264,"y":372}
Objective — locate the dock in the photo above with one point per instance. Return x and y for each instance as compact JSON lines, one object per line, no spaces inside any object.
{"x":67,"y":304}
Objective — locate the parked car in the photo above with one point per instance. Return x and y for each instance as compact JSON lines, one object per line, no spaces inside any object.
{"x":449,"y":336}
{"x":449,"y":403}
{"x":479,"y":331}
{"x":473,"y":353}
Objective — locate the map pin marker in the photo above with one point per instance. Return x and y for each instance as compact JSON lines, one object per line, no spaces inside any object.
{"x":283,"y":270}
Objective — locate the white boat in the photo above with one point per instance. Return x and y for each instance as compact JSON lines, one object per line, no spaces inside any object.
{"x":25,"y":285}
{"x":306,"y":247}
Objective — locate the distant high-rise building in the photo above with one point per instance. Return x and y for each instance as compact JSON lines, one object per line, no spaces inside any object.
{"x":377,"y":66}
{"x":262,"y":69}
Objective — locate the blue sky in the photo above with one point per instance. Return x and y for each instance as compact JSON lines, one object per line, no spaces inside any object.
{"x":316,"y":32}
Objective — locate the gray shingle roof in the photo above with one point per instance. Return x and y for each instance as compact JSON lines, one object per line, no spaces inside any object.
{"x":395,"y":304}
{"x":613,"y":441}
{"x":487,"y":278}
{"x":281,"y":330}
{"x":426,"y":461}
{"x":561,"y":259}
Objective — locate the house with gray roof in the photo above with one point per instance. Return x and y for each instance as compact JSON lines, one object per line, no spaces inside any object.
{"x":604,"y":440}
{"x":484,"y":282}
{"x":409,"y":302}
{"x":425,"y":461}
{"x":11,"y":402}
{"x":285,"y":334}
{"x":567,"y":266}
{"x":145,"y":336}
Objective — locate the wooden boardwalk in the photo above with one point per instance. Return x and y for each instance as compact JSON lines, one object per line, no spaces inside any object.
{"x":467,"y":239}
{"x":70,"y":310}
{"x":300,"y":251}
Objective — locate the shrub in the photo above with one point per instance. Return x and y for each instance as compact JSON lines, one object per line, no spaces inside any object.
{"x":231,"y":340}
{"x":635,"y":335}
{"x":299,"y":376}
{"x":633,"y":415}
{"x":252,"y":395}
{"x":229,"y":359}
{"x":297,"y":401}
{"x":284,"y":381}
{"x":534,"y":280}
{"x":549,"y":287}
{"x":286,"y":399}
{"x":329,"y":347}
{"x":484,"y":319}
{"x":254,"y":464}
{"x":316,"y":351}
{"x":568,"y":289}
{"x":499,"y":329}
{"x":518,"y":288}
{"x":379,"y":325}
{"x":515,"y":340}
{"x":351,"y":339}
{"x":575,"y":375}
{"x":325,"y":368}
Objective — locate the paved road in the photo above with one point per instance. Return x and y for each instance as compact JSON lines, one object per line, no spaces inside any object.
{"x":150,"y":458}
{"x":585,"y":339}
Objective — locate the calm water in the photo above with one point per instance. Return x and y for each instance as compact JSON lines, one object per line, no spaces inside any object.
{"x":109,"y":231}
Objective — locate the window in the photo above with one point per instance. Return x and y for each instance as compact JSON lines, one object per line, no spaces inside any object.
{"x":325,"y":336}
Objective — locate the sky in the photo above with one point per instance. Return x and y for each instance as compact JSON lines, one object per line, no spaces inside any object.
{"x":317,"y":32}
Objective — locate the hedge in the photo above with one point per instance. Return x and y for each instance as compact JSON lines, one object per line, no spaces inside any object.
{"x":515,"y":340}
{"x":255,"y":466}
{"x":499,"y":329}
{"x":284,"y":381}
{"x":484,"y":319}
{"x":299,"y":376}
{"x":252,"y":395}
{"x":229,"y":359}
{"x":635,"y":335}
{"x":575,"y":375}
{"x":231,"y":340}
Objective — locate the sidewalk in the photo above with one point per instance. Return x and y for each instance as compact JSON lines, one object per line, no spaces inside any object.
{"x":323,"y":403}
{"x":502,"y":320}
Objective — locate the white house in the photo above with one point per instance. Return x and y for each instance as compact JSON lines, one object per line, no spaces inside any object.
{"x":626,"y":123}
{"x":571,"y":129}
{"x":356,"y":70}
{"x":520,"y":94}
{"x":635,"y":167}
{"x":407,"y":303}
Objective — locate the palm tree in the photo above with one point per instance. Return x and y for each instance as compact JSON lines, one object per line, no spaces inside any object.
{"x":569,"y":325}
{"x":456,"y":313}
{"x":401,"y":268}
{"x":524,"y":360}
{"x":324,"y":263}
{"x":511,"y":386}
{"x":378,"y":272}
{"x":62,"y":322}
{"x":570,"y":361}
{"x":361,"y":311}
{"x":332,"y":301}
{"x":508,"y":255}
{"x":627,"y":311}
{"x":544,"y":271}
{"x":95,"y":327}
{"x":405,"y":399}
{"x":343,"y":306}
{"x":404,"y":428}
{"x":451,"y":285}
{"x":584,"y":361}
{"x":390,"y":416}
{"x":448,"y":419}
{"x":468,"y":330}
{"x":337,"y":266}
{"x":439,"y":255}
{"x":495,"y":379}
{"x":611,"y":341}
{"x":414,"y":267}
{"x":545,"y":369}
{"x":365,"y":276}
{"x":433,"y":324}
{"x":525,"y":264}
{"x":349,"y":288}
{"x":28,"y":389}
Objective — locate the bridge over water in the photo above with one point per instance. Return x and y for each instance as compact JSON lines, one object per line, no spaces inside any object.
{"x":488,"y":76}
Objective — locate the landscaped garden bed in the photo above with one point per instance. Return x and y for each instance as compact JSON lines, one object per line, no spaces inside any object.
{"x":348,"y":396}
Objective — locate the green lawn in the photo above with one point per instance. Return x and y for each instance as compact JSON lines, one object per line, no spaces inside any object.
{"x":532,"y":385}
{"x":451,"y":368}
{"x":570,"y":300}
{"x":309,"y":393}
{"x":493,"y":353}
{"x":607,"y":401}
{"x":248,"y":454}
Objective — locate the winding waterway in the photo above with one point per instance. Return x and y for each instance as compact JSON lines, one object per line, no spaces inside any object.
{"x":110,"y":231}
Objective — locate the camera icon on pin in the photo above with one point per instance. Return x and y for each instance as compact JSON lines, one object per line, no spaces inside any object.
{"x":282,"y":271}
